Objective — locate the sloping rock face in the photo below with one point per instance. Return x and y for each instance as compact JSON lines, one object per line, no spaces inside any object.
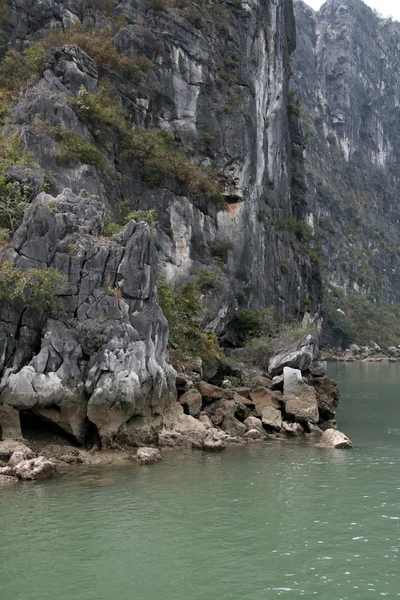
{"x":218,"y":83}
{"x":346,"y":71}
{"x":101,"y":357}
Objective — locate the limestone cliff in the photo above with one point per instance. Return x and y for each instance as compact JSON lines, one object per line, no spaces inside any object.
{"x":346,"y":72}
{"x":177,"y":107}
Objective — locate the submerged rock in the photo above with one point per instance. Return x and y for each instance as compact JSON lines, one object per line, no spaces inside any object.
{"x":331,"y":438}
{"x":36,"y":468}
{"x":7,"y":480}
{"x":147,"y":456}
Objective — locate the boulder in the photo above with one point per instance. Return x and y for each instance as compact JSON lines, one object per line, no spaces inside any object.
{"x":303,"y":407}
{"x":214,"y":442}
{"x":254,"y":435}
{"x":292,"y":429}
{"x":7,"y":480}
{"x":205,"y":419}
{"x":191,"y":402}
{"x":331,"y":438}
{"x":328,"y":396}
{"x":7,"y":470}
{"x":271,"y":418}
{"x":243,"y":391}
{"x":298,"y":355}
{"x":20,"y":455}
{"x":36,"y":468}
{"x":253,"y":423}
{"x":293,"y":384}
{"x":8,"y":447}
{"x":355,"y":349}
{"x":262,"y":396}
{"x":232,"y":426}
{"x":314,"y":430}
{"x":207,"y":390}
{"x":148,"y":455}
{"x":170,"y":439}
{"x":218,"y":410}
{"x":318,"y":368}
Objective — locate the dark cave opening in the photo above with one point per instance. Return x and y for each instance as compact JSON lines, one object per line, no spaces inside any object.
{"x":36,"y":427}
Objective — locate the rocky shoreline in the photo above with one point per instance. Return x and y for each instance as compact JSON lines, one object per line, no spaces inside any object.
{"x":295,"y":399}
{"x":371,"y":353}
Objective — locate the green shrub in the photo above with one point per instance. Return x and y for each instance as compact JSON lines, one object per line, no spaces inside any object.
{"x":208,"y":139}
{"x":99,"y":45}
{"x":360,"y":319}
{"x":220,"y":250}
{"x":300,"y":229}
{"x":18,"y":70}
{"x":100,"y":111}
{"x":331,"y":139}
{"x":124,"y":214}
{"x":250,"y":323}
{"x":4,"y":236}
{"x":294,"y":104}
{"x":12,"y":204}
{"x":148,"y":216}
{"x":207,"y":279}
{"x":285,"y":268}
{"x":37,"y":288}
{"x":261,"y":215}
{"x":183,"y":311}
{"x":159,"y":160}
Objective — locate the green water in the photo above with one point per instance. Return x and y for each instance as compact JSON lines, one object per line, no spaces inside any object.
{"x":266,"y":521}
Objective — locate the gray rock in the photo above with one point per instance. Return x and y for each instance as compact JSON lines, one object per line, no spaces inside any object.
{"x":297,"y":355}
{"x":331,"y":438}
{"x":318,"y":368}
{"x":261,"y":397}
{"x":213,"y":442}
{"x":303,"y":407}
{"x":191,"y":402}
{"x":293,"y":384}
{"x":271,"y":418}
{"x":147,"y":456}
{"x":8,"y":447}
{"x":253,"y":423}
{"x":292,"y":429}
{"x":233,"y":427}
{"x":36,"y":468}
{"x":19,"y":456}
{"x":254,"y":435}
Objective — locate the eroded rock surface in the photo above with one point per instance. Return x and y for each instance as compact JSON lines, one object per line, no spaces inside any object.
{"x":101,"y":357}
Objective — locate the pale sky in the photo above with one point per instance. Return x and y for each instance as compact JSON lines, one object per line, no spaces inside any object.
{"x":385,"y":7}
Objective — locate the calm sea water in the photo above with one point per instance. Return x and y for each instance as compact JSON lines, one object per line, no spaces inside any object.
{"x":281,"y":520}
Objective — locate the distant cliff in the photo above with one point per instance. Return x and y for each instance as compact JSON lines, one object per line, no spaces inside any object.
{"x":346,"y":71}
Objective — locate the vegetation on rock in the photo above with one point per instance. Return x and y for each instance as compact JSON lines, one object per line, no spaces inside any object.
{"x":37,"y":288}
{"x":183,"y":311}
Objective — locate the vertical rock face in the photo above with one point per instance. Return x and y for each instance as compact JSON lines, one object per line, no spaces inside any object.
{"x":101,"y":357}
{"x":215,"y":78}
{"x":218,"y":83}
{"x":346,"y":71}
